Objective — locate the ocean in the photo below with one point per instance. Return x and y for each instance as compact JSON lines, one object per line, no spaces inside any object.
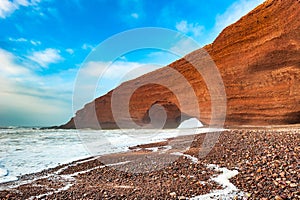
{"x":28,"y":150}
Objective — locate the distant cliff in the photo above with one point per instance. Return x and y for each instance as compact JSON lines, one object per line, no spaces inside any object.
{"x":259,"y":60}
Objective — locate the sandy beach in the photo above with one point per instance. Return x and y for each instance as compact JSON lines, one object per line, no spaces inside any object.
{"x":245,"y":163}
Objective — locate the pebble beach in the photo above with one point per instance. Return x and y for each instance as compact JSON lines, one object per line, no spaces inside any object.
{"x":244,"y":164}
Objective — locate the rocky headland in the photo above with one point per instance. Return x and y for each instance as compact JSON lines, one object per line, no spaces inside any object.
{"x":258,"y":58}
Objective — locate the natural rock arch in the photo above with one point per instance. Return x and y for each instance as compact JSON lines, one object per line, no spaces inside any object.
{"x":167,"y":112}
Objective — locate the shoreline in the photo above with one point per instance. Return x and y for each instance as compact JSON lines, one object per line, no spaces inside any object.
{"x":258,"y":159}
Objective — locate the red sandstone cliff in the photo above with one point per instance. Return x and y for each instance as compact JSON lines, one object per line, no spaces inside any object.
{"x":259,"y":61}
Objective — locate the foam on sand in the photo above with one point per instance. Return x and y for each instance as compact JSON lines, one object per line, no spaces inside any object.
{"x":229,"y":190}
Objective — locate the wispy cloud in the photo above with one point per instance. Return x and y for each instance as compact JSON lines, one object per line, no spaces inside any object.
{"x":235,"y":12}
{"x":87,"y":46}
{"x":26,"y":96}
{"x":46,"y":57}
{"x":70,"y":51}
{"x":33,"y":42}
{"x":23,"y":105}
{"x":135,"y":15}
{"x":17,"y":40}
{"x":8,"y":67}
{"x":8,"y":7}
{"x":192,"y":29}
{"x":131,"y":11}
{"x":231,"y":15}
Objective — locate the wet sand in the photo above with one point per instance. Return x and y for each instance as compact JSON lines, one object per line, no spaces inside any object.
{"x":267,"y":162}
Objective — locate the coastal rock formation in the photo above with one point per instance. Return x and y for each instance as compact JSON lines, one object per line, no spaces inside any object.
{"x":258,"y":58}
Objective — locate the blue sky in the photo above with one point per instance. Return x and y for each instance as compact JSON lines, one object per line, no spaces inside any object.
{"x":44,"y":42}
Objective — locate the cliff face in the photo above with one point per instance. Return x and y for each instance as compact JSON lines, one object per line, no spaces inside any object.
{"x":259,"y":61}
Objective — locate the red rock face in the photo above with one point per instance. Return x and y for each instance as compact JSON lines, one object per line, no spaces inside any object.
{"x":259,"y":61}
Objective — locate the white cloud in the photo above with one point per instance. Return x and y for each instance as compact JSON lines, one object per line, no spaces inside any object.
{"x":87,"y":46}
{"x":232,"y":14}
{"x":8,"y":67}
{"x":8,"y":7}
{"x":23,"y":105}
{"x":70,"y":51}
{"x":46,"y":57}
{"x":22,"y":2}
{"x":131,"y":11}
{"x":117,"y":70}
{"x":108,"y":71}
{"x":17,"y":40}
{"x":135,"y":15}
{"x":35,"y":42}
{"x":235,"y":12}
{"x":189,"y":28}
{"x":30,"y":99}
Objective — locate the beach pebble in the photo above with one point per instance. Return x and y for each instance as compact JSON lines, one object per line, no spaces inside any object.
{"x":278,"y":197}
{"x":173,"y":194}
{"x":293,"y":185}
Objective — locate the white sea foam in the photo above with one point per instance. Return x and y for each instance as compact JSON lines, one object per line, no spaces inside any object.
{"x":229,"y":190}
{"x":6,"y":179}
{"x":69,"y":179}
{"x":192,"y":158}
{"x":4,"y":176}
{"x":24,"y":151}
{"x":3,"y":172}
